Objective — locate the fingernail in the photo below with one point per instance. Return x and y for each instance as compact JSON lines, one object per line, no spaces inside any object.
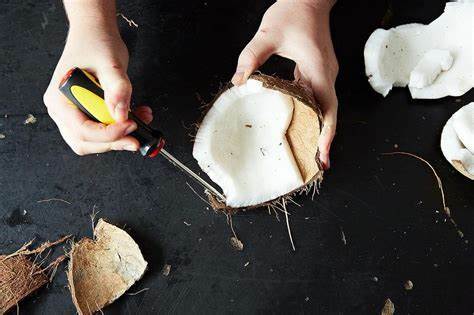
{"x":121,"y":110}
{"x":130,"y":148}
{"x":238,"y":77}
{"x":131,"y":128}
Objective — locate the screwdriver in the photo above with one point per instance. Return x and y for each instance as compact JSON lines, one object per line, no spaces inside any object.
{"x":84,"y":90}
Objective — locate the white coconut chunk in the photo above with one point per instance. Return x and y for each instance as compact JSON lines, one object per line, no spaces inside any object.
{"x":241,"y":145}
{"x":459,"y":131}
{"x":429,"y":67}
{"x":391,"y":56}
{"x":463,"y":124}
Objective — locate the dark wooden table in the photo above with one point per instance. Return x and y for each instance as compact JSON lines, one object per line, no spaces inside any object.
{"x":389,"y":208}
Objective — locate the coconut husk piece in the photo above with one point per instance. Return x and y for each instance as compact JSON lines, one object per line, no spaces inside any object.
{"x":102,"y":269}
{"x":19,"y":276}
{"x":302,"y":135}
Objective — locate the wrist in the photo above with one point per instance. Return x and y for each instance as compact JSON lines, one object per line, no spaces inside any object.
{"x":92,"y":16}
{"x":325,"y":5}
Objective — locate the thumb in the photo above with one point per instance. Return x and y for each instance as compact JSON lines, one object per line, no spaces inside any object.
{"x":257,"y":51}
{"x":117,"y":91}
{"x":324,"y":93}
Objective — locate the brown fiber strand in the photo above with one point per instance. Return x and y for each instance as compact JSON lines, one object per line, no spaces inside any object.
{"x":53,"y":199}
{"x":52,"y":266}
{"x":93,"y":215}
{"x":192,"y":189}
{"x":446,"y":209}
{"x":288,"y":226}
{"x":138,"y":292}
{"x":25,"y":251}
{"x":129,"y":21}
{"x":229,"y":221}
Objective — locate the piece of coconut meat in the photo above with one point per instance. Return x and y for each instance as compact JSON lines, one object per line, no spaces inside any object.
{"x":422,"y":55}
{"x":457,"y":140}
{"x":242,"y":145}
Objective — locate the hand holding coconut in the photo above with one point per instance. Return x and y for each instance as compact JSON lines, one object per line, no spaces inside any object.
{"x":299,"y":30}
{"x":94,"y":43}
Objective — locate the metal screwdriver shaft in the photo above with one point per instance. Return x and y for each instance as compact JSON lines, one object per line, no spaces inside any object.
{"x":184,"y":168}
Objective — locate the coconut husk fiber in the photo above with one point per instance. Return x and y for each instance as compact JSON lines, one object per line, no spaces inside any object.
{"x":102,"y":269}
{"x":302,"y":135}
{"x":19,"y":276}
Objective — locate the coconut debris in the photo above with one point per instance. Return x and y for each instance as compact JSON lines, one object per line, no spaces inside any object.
{"x":434,"y":60}
{"x":166,"y":270}
{"x":30,"y":119}
{"x":408,"y":285}
{"x":236,"y":244}
{"x":388,"y":308}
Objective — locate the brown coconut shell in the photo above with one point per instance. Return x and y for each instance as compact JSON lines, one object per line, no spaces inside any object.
{"x":101,"y":270}
{"x":19,"y":277}
{"x":302,"y":135}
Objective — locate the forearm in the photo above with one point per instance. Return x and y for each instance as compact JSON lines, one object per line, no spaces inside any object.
{"x":92,"y":15}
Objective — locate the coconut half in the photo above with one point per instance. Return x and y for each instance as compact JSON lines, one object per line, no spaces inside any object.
{"x":434,"y":60}
{"x":259,"y":141}
{"x":101,"y":270}
{"x":457,"y":140}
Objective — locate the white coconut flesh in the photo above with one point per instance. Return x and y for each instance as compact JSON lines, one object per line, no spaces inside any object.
{"x":457,"y":140}
{"x":434,"y":60}
{"x":243,"y":144}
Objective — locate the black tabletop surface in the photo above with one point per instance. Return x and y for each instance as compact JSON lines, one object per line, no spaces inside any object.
{"x":388,"y":207}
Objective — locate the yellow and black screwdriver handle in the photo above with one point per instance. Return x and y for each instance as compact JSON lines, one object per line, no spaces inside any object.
{"x":84,"y":91}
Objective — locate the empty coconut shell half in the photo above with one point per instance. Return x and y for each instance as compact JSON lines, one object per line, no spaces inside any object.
{"x":259,"y":142}
{"x":101,"y":270}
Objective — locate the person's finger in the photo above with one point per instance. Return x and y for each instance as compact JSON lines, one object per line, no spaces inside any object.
{"x":325,"y":95}
{"x":314,"y":76}
{"x":92,"y":131}
{"x":75,"y":124}
{"x":126,"y":143}
{"x":144,"y":113}
{"x":328,"y":132}
{"x":117,"y":90}
{"x":257,"y":51}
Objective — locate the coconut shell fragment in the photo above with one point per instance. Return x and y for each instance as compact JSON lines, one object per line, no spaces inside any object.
{"x":103,"y":269}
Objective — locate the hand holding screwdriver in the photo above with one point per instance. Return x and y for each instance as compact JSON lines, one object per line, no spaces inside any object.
{"x":103,"y":53}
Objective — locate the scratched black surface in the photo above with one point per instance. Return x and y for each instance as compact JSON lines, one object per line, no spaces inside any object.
{"x":183,"y":50}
